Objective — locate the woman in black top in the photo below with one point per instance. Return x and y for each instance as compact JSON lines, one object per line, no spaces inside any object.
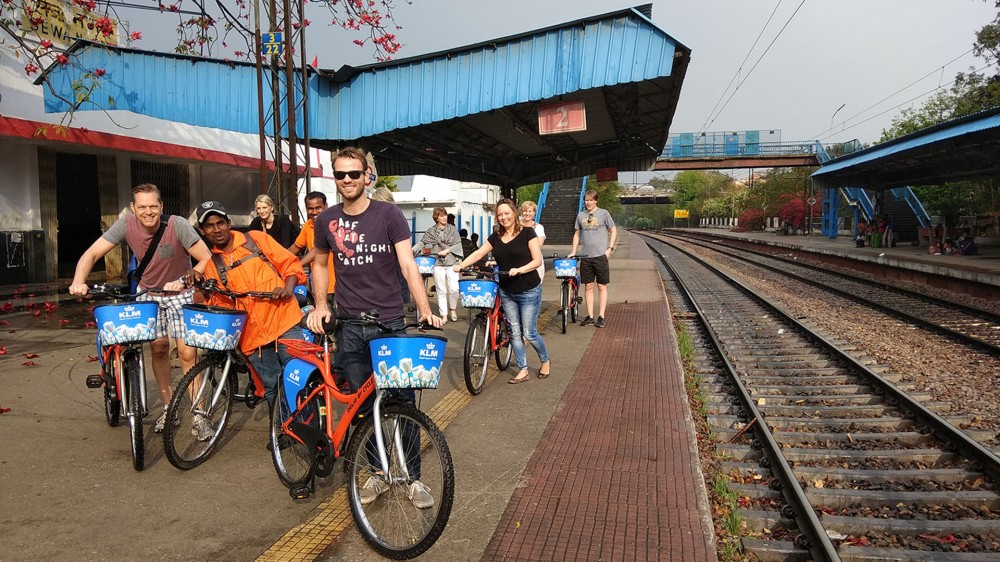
{"x":518,"y":252}
{"x":280,"y":227}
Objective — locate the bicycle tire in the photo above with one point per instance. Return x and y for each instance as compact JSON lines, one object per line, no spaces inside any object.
{"x":477,"y":341}
{"x":294,"y":463}
{"x":506,"y":349}
{"x":135,"y":413}
{"x":391,"y":524}
{"x":112,"y":405}
{"x":574,"y":307}
{"x":195,"y":394}
{"x":564,"y":304}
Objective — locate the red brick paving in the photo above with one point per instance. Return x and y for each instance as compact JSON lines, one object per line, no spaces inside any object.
{"x":614,"y":476}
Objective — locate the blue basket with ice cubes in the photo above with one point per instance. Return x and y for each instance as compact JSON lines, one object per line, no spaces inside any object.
{"x":425,"y":264}
{"x":565,"y":268}
{"x":213,"y":327}
{"x":407,"y":361}
{"x":478,"y":293}
{"x":126,"y":322}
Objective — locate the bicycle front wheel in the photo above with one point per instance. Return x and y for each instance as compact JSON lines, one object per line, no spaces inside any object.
{"x":293,"y":461}
{"x":199,"y":411}
{"x":564,"y":304}
{"x":133,"y":376}
{"x":477,"y":343}
{"x":112,"y":406}
{"x":574,"y":305}
{"x":402,"y":510}
{"x":505,"y":347}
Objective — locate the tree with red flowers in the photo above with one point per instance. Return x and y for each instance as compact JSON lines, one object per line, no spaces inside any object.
{"x":39,"y":32}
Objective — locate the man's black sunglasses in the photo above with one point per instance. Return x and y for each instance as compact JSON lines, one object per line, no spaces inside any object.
{"x":355,"y":174}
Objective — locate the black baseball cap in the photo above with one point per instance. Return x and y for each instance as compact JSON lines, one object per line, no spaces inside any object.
{"x":209,"y":207}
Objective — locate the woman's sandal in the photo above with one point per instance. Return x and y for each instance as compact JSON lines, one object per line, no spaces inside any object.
{"x":517,"y":380}
{"x":542,"y":375}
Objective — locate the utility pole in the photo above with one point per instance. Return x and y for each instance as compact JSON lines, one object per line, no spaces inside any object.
{"x":282,"y":101}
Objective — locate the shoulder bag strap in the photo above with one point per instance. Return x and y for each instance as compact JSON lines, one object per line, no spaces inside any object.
{"x":137,"y":274}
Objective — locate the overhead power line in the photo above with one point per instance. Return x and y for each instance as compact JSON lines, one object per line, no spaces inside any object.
{"x":780,"y":31}
{"x":739,"y":69}
{"x":892,"y":95}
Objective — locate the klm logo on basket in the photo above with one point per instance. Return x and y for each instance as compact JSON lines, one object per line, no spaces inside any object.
{"x":237,"y":322}
{"x":429,"y":352}
{"x":294,"y":376}
{"x":198,"y":320}
{"x":128,"y":313}
{"x":384,"y":351}
{"x":474,"y":287}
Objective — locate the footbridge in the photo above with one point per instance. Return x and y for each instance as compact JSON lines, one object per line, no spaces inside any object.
{"x":741,"y":149}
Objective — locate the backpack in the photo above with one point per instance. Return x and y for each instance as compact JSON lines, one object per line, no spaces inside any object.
{"x":255,"y":252}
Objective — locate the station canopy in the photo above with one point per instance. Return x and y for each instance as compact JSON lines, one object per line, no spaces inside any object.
{"x":966,"y":148}
{"x":470,"y":113}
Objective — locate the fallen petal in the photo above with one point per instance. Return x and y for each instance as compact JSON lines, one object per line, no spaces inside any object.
{"x":31,"y":356}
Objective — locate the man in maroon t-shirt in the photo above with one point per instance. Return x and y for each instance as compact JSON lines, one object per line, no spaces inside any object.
{"x":170,"y":260}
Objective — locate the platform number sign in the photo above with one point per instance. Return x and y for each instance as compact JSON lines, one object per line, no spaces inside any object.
{"x":271,"y":44}
{"x":562,"y":117}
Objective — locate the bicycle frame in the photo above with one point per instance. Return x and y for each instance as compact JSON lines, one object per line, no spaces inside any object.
{"x":309,"y":357}
{"x":114,"y":355}
{"x":231,"y":357}
{"x":494,"y":317}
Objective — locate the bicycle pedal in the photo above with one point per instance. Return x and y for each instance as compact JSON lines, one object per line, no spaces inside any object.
{"x":95,"y":381}
{"x":300,"y":492}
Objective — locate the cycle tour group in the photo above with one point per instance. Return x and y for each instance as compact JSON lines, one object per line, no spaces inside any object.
{"x":337,"y":340}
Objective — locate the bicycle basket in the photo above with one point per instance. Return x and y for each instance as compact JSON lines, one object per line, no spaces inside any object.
{"x":407,"y":361}
{"x":565,"y":268}
{"x":425,"y":264}
{"x":478,"y":293}
{"x":213,"y":327}
{"x":127,"y":322}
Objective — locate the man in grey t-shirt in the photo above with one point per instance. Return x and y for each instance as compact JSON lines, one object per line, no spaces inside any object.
{"x":596,"y":236}
{"x":170,"y":260}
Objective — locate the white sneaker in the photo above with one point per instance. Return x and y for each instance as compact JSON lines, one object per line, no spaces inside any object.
{"x":162,"y":421}
{"x":420,"y":495}
{"x":374,"y":487}
{"x":201,"y":428}
{"x":454,"y":316}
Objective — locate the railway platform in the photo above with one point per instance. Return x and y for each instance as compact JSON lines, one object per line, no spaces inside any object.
{"x":596,"y":462}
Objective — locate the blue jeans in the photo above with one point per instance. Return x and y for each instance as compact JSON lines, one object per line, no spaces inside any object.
{"x":269,"y":361}
{"x":522,"y":313}
{"x":354,"y":361}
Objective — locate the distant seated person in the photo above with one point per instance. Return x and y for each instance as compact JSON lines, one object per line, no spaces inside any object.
{"x":949,"y":248}
{"x":934,"y":249}
{"x":965,"y":245}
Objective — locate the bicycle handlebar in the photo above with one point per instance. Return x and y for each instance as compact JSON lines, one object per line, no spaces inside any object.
{"x":212,"y":285}
{"x":121,"y":291}
{"x":369,"y":318}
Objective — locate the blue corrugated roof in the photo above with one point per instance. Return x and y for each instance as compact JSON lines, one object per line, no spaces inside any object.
{"x":616,"y":48}
{"x":969,"y":124}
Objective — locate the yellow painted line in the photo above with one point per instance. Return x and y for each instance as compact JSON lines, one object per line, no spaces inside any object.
{"x":308,"y":540}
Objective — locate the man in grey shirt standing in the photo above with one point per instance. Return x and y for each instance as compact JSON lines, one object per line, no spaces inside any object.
{"x":596,"y":236}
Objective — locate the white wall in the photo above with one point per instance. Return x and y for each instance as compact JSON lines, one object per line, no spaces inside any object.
{"x":18,"y":205}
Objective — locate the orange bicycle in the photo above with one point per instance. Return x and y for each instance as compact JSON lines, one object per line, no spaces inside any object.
{"x":401,"y":481}
{"x":489,"y":332}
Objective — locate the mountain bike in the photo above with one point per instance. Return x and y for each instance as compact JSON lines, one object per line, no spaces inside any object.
{"x":569,"y":298}
{"x":123,"y":327}
{"x":198,"y":413}
{"x":489,"y":331}
{"x":391,"y":450}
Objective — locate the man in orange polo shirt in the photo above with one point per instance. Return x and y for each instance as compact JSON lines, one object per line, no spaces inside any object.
{"x":315,"y":204}
{"x":274,"y":269}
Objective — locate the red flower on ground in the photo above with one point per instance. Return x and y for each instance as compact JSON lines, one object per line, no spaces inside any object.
{"x":29,"y":364}
{"x":31,"y":356}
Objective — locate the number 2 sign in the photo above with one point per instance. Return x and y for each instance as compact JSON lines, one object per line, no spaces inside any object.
{"x":562,"y":117}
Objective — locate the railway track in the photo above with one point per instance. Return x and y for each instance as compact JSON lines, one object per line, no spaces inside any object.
{"x":966,"y":324}
{"x":832,"y":459}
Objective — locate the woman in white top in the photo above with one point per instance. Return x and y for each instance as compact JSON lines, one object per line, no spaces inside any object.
{"x":528,"y":210}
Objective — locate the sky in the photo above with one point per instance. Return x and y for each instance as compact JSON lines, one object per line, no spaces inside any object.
{"x":833,"y":70}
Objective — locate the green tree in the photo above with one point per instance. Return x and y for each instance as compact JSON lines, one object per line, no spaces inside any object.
{"x":529,"y":192}
{"x":389,"y":182}
{"x":608,"y":193}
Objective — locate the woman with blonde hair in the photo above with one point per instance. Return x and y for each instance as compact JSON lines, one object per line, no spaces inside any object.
{"x":442,"y":240}
{"x":518,"y":252}
{"x":528,"y":210}
{"x":278,"y":226}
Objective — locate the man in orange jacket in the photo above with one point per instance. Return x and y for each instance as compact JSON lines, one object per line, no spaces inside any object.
{"x":255,"y":262}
